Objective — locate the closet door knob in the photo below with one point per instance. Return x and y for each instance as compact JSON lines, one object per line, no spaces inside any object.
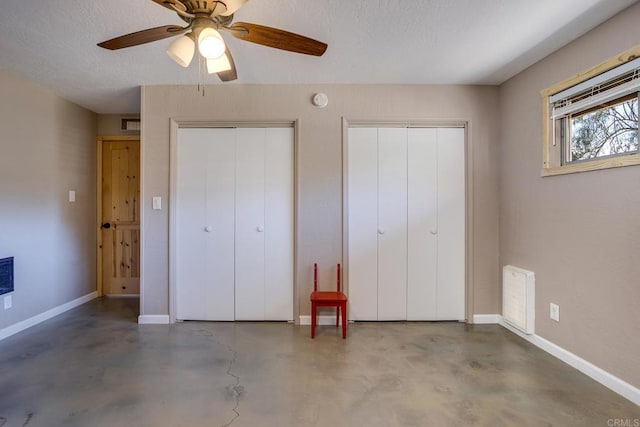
{"x":434,"y":231}
{"x":260,"y":229}
{"x":380,"y":230}
{"x":208,"y":229}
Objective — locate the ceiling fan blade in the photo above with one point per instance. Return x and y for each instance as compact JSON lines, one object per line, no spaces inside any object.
{"x":276,"y":38}
{"x":142,"y":37}
{"x":229,"y":75}
{"x":168,"y":3}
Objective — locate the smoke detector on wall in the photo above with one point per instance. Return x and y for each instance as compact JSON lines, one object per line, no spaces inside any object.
{"x":320,"y":100}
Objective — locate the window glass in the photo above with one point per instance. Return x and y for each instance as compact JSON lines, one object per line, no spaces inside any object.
{"x":606,"y":130}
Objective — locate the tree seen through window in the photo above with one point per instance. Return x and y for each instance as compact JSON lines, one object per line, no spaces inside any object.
{"x":606,"y":130}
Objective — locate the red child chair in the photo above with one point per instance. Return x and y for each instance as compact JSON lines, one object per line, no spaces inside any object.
{"x":328,"y":299}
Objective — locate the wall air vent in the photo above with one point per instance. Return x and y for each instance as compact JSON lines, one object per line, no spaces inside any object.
{"x":130,"y":124}
{"x":6,"y":275}
{"x":518,"y":298}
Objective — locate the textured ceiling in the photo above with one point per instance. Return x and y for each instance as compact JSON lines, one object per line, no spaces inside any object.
{"x":370,"y":41}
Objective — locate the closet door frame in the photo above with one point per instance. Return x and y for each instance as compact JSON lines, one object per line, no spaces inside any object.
{"x":176,"y":124}
{"x":468,"y":168}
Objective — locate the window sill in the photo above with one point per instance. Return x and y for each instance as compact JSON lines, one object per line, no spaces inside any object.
{"x":592,"y":165}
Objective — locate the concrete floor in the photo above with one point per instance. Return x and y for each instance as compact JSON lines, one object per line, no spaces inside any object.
{"x":94,"y":366}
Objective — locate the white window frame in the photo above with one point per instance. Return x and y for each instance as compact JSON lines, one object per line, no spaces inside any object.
{"x":553,"y":154}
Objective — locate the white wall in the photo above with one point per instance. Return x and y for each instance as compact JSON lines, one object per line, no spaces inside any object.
{"x":47,"y":148}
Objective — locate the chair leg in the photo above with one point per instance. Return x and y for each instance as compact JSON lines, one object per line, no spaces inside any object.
{"x":337,"y":315}
{"x":313,"y":320}
{"x":344,"y":321}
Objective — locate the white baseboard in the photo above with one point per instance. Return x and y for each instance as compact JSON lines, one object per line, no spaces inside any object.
{"x":603,"y":377}
{"x":39,"y":318}
{"x":486,"y":319}
{"x":322,"y":320}
{"x":153,"y":319}
{"x":608,"y":380}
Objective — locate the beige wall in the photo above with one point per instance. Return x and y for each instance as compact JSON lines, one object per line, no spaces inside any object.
{"x":110,"y":124}
{"x":47,"y":148}
{"x":319,"y":230}
{"x":579,"y":233}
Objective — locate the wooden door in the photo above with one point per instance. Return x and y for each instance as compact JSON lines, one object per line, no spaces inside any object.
{"x":205,"y":224}
{"x":120,"y":227}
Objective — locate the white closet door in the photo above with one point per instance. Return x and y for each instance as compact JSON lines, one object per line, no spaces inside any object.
{"x":204,"y":234}
{"x":278,"y":224}
{"x":451,"y":224}
{"x":392,"y":224}
{"x":422,"y":224}
{"x":250,"y":224}
{"x":362,"y":188}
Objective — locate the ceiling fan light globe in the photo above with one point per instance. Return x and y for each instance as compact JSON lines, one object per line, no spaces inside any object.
{"x":210,"y":44}
{"x":181,"y":50}
{"x":232,"y":6}
{"x":218,"y":65}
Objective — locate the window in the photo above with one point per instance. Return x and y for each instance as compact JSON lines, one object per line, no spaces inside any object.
{"x":608,"y":130}
{"x":591,"y":121}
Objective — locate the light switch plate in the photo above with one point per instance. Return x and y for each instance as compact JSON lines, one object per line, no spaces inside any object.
{"x":8,"y":302}
{"x":72,"y":196}
{"x":156,"y":203}
{"x":554,"y":312}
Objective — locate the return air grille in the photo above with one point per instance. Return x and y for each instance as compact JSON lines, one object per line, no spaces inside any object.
{"x":518,"y":298}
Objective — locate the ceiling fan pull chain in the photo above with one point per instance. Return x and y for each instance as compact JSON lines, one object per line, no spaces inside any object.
{"x":199,"y":71}
{"x":201,"y":74}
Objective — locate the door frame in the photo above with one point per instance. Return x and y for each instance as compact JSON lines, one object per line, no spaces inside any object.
{"x":100,"y":145}
{"x":176,"y":124}
{"x":468,"y":168}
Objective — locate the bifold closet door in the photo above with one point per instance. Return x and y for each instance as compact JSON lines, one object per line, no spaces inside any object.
{"x":278,"y":220}
{"x":264,"y":224}
{"x":249,"y":260}
{"x":234,"y":224}
{"x":436,"y":224}
{"x":362,"y":188}
{"x":451,"y":224}
{"x":205,"y":224}
{"x":406,"y":223}
{"x":377,"y":188}
{"x":422,"y":226}
{"x":392,"y":224}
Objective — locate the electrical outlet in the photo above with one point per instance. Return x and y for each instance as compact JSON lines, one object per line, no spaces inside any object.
{"x":7,"y":302}
{"x":554,"y":312}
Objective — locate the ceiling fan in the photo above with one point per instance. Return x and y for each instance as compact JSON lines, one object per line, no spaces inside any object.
{"x":204,"y":19}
